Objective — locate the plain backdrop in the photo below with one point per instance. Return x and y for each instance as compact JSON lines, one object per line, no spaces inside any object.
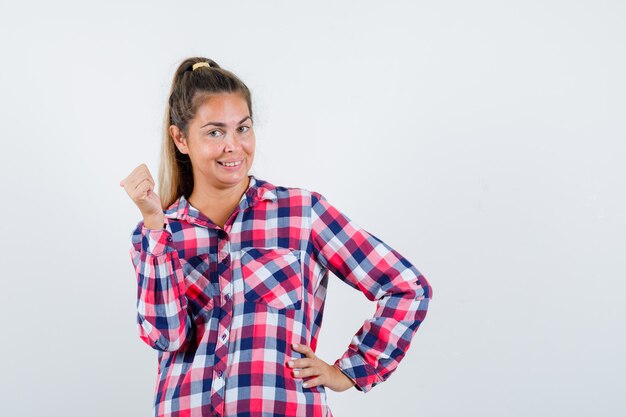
{"x":483,"y":140}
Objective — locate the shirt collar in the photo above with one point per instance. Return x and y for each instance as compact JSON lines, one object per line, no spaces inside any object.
{"x":258,"y":190}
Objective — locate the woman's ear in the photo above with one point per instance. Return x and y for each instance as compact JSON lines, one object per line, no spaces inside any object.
{"x":179,"y":139}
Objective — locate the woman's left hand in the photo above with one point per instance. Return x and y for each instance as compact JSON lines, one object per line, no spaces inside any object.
{"x":322,"y":372}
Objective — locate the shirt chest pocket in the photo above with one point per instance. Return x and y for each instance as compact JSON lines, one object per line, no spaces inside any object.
{"x":200,"y":291}
{"x":272,"y":276}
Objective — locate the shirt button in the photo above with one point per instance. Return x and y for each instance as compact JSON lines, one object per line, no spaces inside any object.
{"x":225,"y":259}
{"x":169,"y":238}
{"x":219,"y":374}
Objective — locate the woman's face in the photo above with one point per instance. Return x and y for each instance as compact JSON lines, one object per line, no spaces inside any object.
{"x":221,"y":132}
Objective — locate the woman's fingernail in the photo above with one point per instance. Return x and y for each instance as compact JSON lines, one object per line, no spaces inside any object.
{"x":296,"y":372}
{"x":305,"y":385}
{"x":295,"y":345}
{"x":290,"y":363}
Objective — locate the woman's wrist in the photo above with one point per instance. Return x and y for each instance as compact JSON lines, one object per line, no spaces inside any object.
{"x":154,"y":222}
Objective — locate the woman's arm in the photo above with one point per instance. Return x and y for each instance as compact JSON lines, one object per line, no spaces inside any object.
{"x":162,"y":316}
{"x":368,"y":264}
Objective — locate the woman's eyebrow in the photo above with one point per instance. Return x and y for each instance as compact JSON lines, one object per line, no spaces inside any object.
{"x":224,"y":124}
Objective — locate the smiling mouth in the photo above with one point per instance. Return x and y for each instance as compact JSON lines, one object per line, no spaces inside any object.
{"x":230,"y":164}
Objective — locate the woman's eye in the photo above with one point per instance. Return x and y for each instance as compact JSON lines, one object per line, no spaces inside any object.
{"x":244,"y":128}
{"x":211,"y":133}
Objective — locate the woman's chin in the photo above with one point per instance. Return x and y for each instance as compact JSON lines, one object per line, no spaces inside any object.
{"x":232,"y":179}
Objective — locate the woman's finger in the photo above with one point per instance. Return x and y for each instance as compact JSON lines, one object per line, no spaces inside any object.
{"x":142,"y":190}
{"x":306,"y":372}
{"x":305,"y":349}
{"x":144,"y":179}
{"x":300,"y":363}
{"x":312,"y":382}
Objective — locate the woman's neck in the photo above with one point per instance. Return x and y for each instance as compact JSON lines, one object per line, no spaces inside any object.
{"x":215,"y":203}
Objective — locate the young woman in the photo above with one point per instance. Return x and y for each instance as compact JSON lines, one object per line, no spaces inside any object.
{"x":232,"y":270}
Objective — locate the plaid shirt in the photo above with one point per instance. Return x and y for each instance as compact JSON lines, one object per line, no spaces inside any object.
{"x":222,"y":306}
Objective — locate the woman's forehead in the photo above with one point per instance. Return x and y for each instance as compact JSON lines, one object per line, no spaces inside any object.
{"x":222,"y":109}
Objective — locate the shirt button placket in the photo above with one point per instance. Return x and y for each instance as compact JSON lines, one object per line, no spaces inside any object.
{"x":221,"y":349}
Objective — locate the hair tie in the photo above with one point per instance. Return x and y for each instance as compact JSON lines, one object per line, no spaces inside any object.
{"x":200,"y":64}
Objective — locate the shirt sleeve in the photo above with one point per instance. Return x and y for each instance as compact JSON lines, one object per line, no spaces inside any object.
{"x":162,"y":315}
{"x":368,"y":264}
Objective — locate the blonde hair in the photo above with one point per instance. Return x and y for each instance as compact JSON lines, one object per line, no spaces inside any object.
{"x":190,"y":88}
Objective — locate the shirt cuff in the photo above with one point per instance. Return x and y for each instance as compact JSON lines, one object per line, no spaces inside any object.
{"x":156,"y":242}
{"x":363,"y":374}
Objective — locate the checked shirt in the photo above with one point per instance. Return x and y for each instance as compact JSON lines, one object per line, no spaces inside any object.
{"x":223,"y":305}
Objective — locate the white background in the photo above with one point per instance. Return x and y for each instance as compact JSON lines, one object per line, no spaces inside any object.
{"x":483,"y":140}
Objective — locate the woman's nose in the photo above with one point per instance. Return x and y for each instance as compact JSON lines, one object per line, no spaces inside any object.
{"x":230,"y":142}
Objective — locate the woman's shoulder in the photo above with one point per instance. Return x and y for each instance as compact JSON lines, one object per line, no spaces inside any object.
{"x":283,"y":191}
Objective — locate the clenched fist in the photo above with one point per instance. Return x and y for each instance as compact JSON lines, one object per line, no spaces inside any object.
{"x":139,"y":185}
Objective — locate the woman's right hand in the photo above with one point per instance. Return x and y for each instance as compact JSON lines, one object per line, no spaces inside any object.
{"x":139,"y":185}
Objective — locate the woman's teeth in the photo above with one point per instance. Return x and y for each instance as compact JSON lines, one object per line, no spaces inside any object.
{"x":230,"y":164}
